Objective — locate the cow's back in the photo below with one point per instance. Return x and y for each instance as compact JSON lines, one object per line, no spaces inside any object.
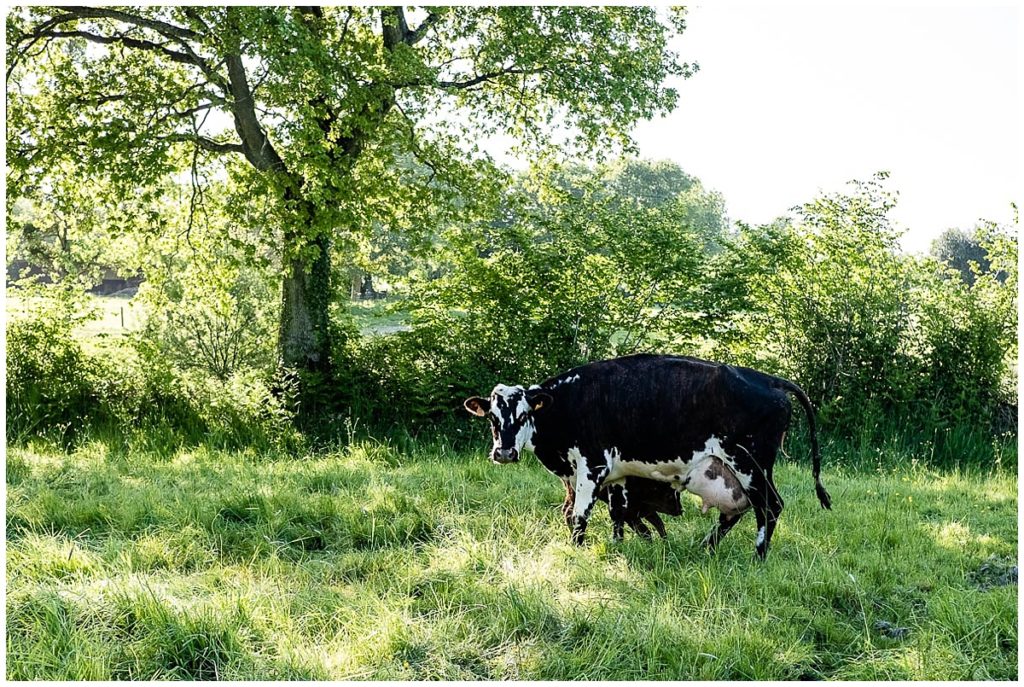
{"x":656,"y":407}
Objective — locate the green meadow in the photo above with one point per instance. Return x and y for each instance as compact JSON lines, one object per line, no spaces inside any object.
{"x":406,"y":559}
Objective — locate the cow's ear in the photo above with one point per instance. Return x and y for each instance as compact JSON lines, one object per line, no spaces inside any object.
{"x":477,"y":406}
{"x":538,"y":399}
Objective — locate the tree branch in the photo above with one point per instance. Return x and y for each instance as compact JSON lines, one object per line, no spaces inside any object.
{"x":258,"y":149}
{"x":170,"y":30}
{"x":204,"y":143}
{"x":173,"y":55}
{"x":416,"y":35}
{"x":178,"y":34}
{"x":490,"y":76}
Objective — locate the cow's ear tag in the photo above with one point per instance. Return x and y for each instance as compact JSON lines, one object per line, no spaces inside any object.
{"x":538,"y":400}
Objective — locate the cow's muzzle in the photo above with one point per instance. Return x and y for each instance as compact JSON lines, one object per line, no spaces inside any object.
{"x":505,"y":455}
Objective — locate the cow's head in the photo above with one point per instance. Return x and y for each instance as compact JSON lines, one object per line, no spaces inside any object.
{"x":510,"y":410}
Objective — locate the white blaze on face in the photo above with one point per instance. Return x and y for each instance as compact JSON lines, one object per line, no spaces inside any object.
{"x":513,"y":409}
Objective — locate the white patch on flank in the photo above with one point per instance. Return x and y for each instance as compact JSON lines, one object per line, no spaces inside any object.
{"x":575,"y":458}
{"x":760,"y":537}
{"x":567,"y":380}
{"x":671,"y":470}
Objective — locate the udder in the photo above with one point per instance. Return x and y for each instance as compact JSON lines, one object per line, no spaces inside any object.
{"x":717,"y":486}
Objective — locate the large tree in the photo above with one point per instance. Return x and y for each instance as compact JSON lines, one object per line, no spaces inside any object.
{"x":307,"y":108}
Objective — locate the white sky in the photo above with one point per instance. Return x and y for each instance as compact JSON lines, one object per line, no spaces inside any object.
{"x":790,"y":101}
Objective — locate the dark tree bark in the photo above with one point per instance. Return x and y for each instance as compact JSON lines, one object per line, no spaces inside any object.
{"x":304,"y":338}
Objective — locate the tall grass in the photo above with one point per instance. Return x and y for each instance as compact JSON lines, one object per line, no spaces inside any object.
{"x":407,"y":559}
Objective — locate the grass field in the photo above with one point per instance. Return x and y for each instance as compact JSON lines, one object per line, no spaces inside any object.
{"x":414,"y":561}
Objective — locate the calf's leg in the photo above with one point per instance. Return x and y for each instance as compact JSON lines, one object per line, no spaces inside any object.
{"x":639,"y":527}
{"x":617,"y":509}
{"x":655,"y":519}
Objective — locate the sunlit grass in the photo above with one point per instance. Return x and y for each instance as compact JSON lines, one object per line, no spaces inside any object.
{"x":367,"y":562}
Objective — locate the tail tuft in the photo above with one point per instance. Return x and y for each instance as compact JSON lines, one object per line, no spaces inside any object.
{"x":826,"y":500}
{"x":819,"y":488}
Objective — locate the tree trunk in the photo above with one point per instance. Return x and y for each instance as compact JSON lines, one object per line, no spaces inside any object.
{"x":304,"y":340}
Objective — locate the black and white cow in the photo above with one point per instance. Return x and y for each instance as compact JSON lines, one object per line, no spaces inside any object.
{"x":709,"y":428}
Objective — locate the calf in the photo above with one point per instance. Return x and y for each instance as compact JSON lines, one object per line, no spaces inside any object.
{"x":709,"y":428}
{"x":630,"y":503}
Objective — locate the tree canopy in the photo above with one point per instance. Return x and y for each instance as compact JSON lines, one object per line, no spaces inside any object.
{"x":307,"y":109}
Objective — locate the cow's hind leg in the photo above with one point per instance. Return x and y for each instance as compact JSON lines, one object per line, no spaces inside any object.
{"x":725,"y":523}
{"x":767,"y":506}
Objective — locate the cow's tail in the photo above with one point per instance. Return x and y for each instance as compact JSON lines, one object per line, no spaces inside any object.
{"x":823,"y":497}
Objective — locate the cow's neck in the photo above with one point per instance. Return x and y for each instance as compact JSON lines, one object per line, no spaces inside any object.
{"x":549,"y":456}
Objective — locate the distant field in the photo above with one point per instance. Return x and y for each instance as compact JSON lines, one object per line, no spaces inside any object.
{"x":375,"y":562}
{"x":117,"y":315}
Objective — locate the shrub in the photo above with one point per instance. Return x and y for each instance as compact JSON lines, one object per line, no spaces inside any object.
{"x":967,"y":333}
{"x":57,"y":388}
{"x":51,"y":381}
{"x":573,"y":280}
{"x":219,"y":321}
{"x":828,"y":303}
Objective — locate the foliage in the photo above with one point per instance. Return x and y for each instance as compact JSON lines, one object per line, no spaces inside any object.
{"x":50,"y":380}
{"x":828,"y":300}
{"x":552,"y":285}
{"x":969,"y":331}
{"x":828,"y":303}
{"x":958,"y":249}
{"x":309,"y":110}
{"x":60,"y":389}
{"x":217,"y":321}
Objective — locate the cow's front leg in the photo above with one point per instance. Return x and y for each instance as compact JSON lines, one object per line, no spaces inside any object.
{"x":589,"y":478}
{"x":567,"y":505}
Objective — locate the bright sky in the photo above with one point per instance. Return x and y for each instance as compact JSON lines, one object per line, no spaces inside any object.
{"x":790,"y":101}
